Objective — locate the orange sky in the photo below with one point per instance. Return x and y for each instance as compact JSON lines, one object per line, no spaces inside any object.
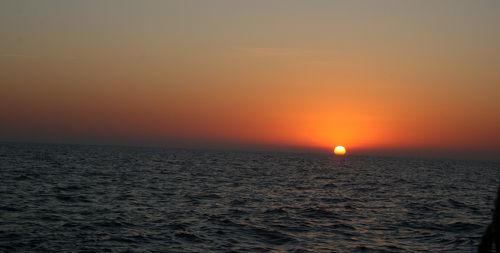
{"x":381,"y":75}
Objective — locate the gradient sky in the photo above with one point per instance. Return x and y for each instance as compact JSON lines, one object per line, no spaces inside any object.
{"x":416,"y":76}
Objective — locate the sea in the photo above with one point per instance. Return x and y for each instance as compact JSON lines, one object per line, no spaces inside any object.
{"x":77,"y":198}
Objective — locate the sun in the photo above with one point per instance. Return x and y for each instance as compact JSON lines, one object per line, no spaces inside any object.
{"x":339,"y":150}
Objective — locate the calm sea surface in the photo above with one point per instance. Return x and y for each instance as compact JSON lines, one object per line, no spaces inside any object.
{"x":61,"y":198}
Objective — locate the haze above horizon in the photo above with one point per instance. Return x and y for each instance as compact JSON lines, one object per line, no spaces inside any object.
{"x":383,"y":76}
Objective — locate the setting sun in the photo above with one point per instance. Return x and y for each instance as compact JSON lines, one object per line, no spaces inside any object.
{"x":339,"y":150}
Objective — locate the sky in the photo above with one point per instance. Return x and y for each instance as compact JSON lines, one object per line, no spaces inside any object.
{"x":387,"y":76}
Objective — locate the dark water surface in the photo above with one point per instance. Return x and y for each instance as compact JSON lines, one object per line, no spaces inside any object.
{"x":60,"y":198}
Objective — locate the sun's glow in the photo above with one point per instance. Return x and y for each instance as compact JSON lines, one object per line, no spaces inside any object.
{"x":339,"y":150}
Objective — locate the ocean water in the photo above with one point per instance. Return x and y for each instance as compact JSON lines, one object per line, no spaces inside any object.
{"x":62,"y":198}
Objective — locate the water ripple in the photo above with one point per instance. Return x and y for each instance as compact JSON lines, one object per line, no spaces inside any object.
{"x":60,"y":198}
